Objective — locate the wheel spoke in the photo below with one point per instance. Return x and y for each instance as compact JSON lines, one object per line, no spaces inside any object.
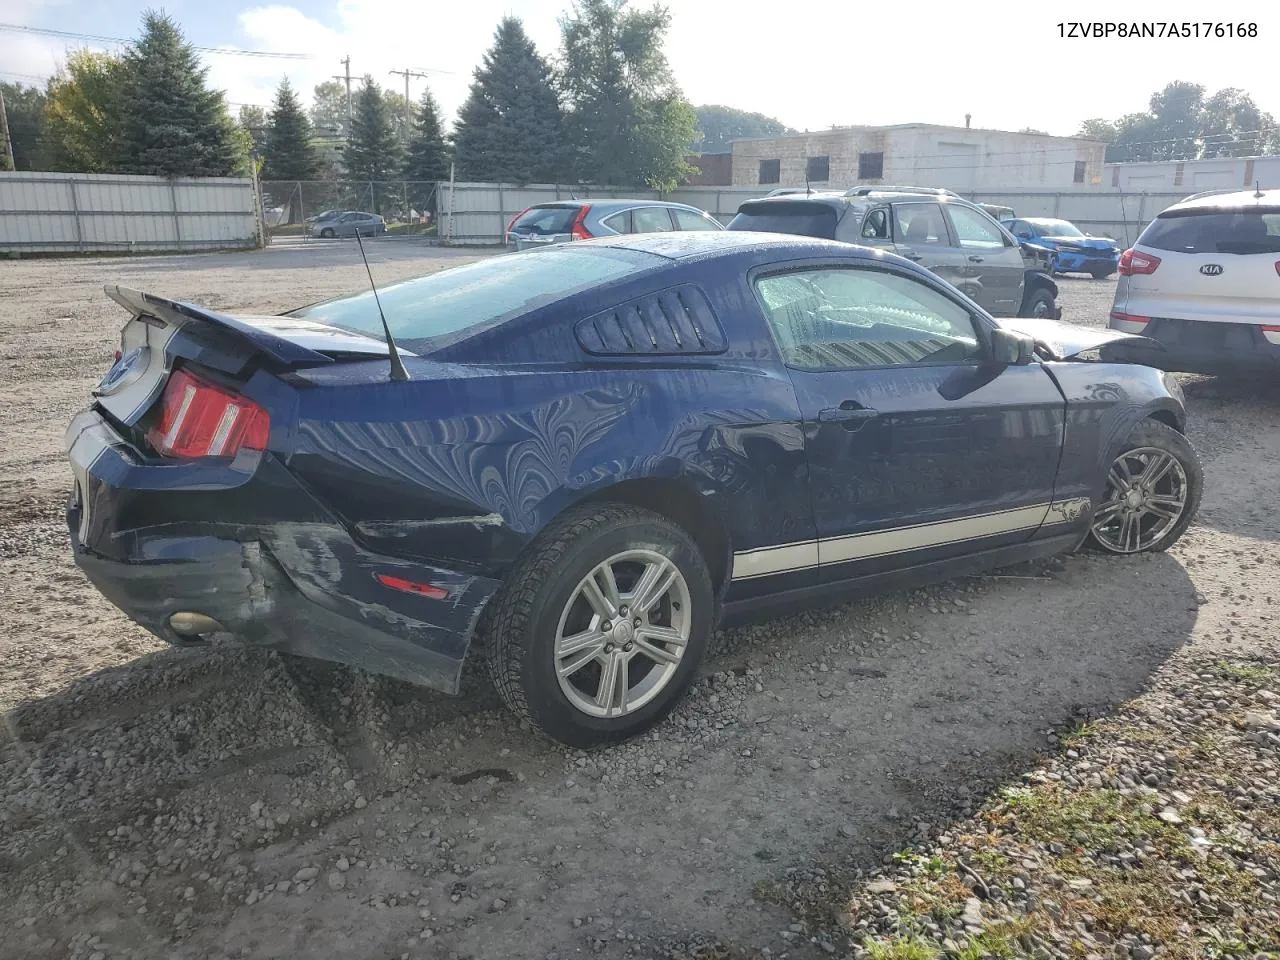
{"x":602,"y":597}
{"x":1157,"y":467}
{"x":657,"y":634}
{"x":613,"y":684}
{"x":1119,"y":479}
{"x":1127,"y":525}
{"x":592,"y":641}
{"x":653,"y":585}
{"x":653,"y":652}
{"x":1107,"y":511}
{"x":1158,"y":510}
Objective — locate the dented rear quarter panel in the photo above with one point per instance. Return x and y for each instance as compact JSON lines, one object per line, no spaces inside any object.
{"x":490,"y":441}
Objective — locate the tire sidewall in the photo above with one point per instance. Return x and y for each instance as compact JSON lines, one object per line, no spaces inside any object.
{"x":548,"y":705}
{"x":1040,"y":295}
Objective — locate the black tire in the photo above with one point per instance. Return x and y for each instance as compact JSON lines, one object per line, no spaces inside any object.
{"x":327,"y":233}
{"x":1153,"y":433}
{"x":518,"y":631}
{"x":1101,"y":273}
{"x":1040,"y":299}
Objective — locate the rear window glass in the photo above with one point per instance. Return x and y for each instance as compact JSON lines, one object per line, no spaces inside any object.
{"x":1256,"y":230}
{"x":453,"y":304}
{"x":802,"y":219}
{"x":544,"y":221}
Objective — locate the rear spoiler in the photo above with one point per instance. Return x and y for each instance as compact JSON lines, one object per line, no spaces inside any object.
{"x":286,"y":340}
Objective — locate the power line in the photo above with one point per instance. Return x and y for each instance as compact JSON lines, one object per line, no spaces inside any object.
{"x":231,"y":51}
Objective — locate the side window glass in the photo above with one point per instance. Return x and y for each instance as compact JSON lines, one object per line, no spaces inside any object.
{"x":619,"y":221}
{"x":973,"y":230}
{"x":651,"y":220}
{"x":840,"y":319}
{"x":876,"y":225}
{"x":687,"y":220}
{"x":920,"y":225}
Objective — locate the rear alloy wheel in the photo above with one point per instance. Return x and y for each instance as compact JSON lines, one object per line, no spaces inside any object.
{"x":327,"y":233}
{"x":1152,"y":493}
{"x":601,"y":625}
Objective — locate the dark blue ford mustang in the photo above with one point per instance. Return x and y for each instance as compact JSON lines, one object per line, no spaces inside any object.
{"x":602,"y":450}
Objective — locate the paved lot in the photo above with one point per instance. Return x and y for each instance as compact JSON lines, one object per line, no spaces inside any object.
{"x":156,"y":803}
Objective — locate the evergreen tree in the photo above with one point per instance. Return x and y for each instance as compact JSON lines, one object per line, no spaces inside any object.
{"x":628,"y":121}
{"x":289,"y":153}
{"x":511,"y":127}
{"x":329,"y":108}
{"x":428,"y":154}
{"x":174,"y":126}
{"x":373,"y":153}
{"x":252,"y":120}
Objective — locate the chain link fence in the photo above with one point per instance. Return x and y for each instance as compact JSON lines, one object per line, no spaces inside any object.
{"x":409,"y":207}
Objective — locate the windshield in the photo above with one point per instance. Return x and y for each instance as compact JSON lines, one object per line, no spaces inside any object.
{"x":803,"y":219}
{"x":462,"y":301}
{"x":1207,"y":230}
{"x":1056,"y":228}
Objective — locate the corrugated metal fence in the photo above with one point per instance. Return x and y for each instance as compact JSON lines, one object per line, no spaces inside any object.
{"x":478,"y":213}
{"x":82,"y":213}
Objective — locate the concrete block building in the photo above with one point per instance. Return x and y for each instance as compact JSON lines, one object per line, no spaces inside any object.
{"x":920,"y":154}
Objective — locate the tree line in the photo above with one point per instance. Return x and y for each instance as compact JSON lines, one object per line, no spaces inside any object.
{"x":1183,"y":122}
{"x":607,"y":110}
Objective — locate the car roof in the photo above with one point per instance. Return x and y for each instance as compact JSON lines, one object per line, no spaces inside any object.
{"x":613,"y":203}
{"x":1229,"y":200}
{"x":698,"y":243}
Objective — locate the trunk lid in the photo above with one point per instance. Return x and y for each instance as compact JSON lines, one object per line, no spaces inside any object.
{"x":163,"y":330}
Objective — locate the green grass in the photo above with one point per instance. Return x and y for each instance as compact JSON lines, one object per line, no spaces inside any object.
{"x":902,"y":948}
{"x":1244,"y":671}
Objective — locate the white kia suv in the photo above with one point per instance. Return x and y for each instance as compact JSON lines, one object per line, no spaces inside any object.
{"x":1203,"y":280}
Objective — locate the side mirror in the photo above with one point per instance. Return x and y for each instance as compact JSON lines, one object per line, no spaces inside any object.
{"x":1011,"y":349}
{"x":1022,"y":235}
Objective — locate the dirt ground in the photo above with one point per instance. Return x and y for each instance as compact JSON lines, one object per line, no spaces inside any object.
{"x":225,"y":803}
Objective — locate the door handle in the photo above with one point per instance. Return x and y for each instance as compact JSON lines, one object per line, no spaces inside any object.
{"x":851,"y":414}
{"x":975,"y":259}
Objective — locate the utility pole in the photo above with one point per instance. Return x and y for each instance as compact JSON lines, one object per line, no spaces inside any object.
{"x":10,"y":161}
{"x":346,"y":75}
{"x":408,"y":109}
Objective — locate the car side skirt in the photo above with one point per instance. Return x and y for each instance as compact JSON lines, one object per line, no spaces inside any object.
{"x":778,"y":604}
{"x":809,"y":554}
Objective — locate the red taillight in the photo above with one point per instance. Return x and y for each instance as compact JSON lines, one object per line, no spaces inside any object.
{"x":412,"y":586}
{"x":579,"y":231}
{"x":199,"y":419}
{"x":512,"y":224}
{"x":1278,"y":266}
{"x":1134,"y":262}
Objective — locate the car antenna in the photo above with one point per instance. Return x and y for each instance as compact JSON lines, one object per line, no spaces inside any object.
{"x":398,"y":372}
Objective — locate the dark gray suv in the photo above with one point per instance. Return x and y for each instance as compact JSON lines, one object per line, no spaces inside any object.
{"x":938,"y":229}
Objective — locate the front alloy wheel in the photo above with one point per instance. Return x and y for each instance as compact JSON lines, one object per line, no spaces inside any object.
{"x":1152,"y":493}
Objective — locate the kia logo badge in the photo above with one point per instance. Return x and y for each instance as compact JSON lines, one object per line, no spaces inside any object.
{"x":1211,"y":269}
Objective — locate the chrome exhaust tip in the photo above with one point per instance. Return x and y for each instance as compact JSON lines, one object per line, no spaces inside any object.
{"x":194,"y":624}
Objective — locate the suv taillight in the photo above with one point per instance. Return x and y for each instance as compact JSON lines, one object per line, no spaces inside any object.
{"x":1134,"y":262}
{"x":199,"y":419}
{"x":579,"y":231}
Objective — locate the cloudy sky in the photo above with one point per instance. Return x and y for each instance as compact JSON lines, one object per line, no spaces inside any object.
{"x":810,"y":63}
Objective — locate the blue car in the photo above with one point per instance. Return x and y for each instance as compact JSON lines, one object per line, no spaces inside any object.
{"x":1069,"y":250}
{"x":580,"y":460}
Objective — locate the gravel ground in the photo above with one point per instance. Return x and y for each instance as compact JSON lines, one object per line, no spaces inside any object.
{"x":1073,"y":759}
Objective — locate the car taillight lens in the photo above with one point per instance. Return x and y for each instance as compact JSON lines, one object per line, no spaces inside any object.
{"x":1135,"y":262}
{"x":1270,"y":332}
{"x":199,"y":419}
{"x":579,"y":231}
{"x":1278,"y":266}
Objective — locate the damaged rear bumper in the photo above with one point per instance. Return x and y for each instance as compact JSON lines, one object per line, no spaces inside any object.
{"x":298,"y":583}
